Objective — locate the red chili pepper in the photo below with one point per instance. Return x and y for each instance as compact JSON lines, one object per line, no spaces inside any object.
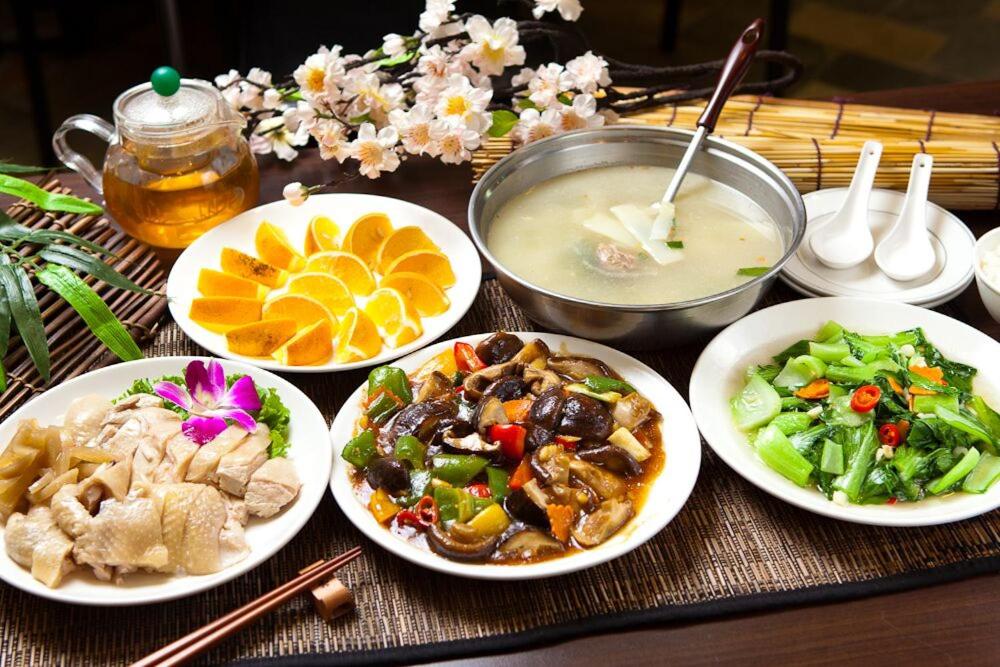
{"x":479,"y":490}
{"x":888,"y":434}
{"x":567,"y":441}
{"x":511,"y":439}
{"x":466,"y":358}
{"x":410,"y":518}
{"x":427,"y":509}
{"x":865,"y":398}
{"x":891,"y":501}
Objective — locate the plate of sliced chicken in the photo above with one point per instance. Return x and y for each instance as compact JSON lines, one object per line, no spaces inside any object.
{"x":156,"y":479}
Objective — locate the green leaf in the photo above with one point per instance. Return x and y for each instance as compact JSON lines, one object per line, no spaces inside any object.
{"x":523,"y":103}
{"x":49,"y":201}
{"x":565,"y":99}
{"x":4,"y":330}
{"x":75,"y":258}
{"x":404,"y":57}
{"x":357,"y":120}
{"x":503,"y":122}
{"x":11,"y":168}
{"x":91,"y":308}
{"x":20,"y":299}
{"x":753,"y":270}
{"x":676,"y":245}
{"x":12,"y":231}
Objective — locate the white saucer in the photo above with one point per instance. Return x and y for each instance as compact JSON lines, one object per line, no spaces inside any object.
{"x":954,"y":247}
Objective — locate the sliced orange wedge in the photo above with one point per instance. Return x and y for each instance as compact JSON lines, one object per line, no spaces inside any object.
{"x":400,"y":242}
{"x":364,"y":237}
{"x":304,"y":310}
{"x":274,"y":248}
{"x":391,"y":312}
{"x":243,"y":265}
{"x":357,"y":339}
{"x":329,"y":290}
{"x":260,"y":339}
{"x":313,"y":345}
{"x":428,"y":263}
{"x":427,"y":298}
{"x":218,"y":283}
{"x":345,"y":265}
{"x":322,"y":235}
{"x":222,"y":313}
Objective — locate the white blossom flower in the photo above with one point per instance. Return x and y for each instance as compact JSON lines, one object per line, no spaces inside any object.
{"x":433,"y":20}
{"x":227,"y":79}
{"x":227,"y":84}
{"x":252,"y":88}
{"x":271,"y":99}
{"x":493,"y":47}
{"x":434,"y":66}
{"x":524,"y":76}
{"x":311,"y":75}
{"x":456,"y":142}
{"x":414,"y":128}
{"x":570,"y":10}
{"x":332,"y":139}
{"x":376,"y":151}
{"x":589,"y":72}
{"x":581,"y":114}
{"x":534,"y":125}
{"x":370,"y":96}
{"x":393,"y":45}
{"x":300,"y":118}
{"x":295,"y":193}
{"x":461,"y":103}
{"x":549,"y":81}
{"x":272,"y":135}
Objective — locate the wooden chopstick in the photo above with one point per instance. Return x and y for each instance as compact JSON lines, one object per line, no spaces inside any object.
{"x":209,"y":635}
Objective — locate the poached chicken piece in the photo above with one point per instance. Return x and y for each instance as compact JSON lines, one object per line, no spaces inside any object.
{"x":138,"y":494}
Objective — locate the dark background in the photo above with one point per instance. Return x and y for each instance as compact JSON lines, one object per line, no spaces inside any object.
{"x":58,"y":57}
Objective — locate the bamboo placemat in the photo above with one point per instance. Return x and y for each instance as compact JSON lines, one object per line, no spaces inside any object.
{"x":74,"y":349}
{"x":817,"y":143}
{"x":732,"y":548}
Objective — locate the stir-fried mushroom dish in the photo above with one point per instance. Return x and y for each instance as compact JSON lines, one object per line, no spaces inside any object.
{"x":505,"y":452}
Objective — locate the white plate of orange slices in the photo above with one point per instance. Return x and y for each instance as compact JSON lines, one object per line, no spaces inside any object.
{"x":342,"y":281}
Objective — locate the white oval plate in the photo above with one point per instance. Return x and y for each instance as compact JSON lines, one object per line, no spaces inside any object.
{"x":669,"y":491}
{"x":953,"y":246}
{"x":719,"y":372}
{"x":307,"y":451}
{"x":182,"y":285}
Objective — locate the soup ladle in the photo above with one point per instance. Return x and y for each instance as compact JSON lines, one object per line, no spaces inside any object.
{"x":733,"y":71}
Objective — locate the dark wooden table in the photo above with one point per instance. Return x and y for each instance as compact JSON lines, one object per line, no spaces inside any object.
{"x":950,"y":623}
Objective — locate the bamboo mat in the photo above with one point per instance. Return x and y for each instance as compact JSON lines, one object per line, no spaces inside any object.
{"x":74,"y":350}
{"x":732,"y":548}
{"x":817,"y":143}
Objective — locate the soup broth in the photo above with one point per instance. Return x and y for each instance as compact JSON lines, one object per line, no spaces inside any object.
{"x":546,"y":236}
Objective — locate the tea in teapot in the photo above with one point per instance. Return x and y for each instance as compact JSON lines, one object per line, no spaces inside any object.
{"x":177,"y":163}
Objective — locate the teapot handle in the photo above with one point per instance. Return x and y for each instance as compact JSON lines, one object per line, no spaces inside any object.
{"x":69,"y":157}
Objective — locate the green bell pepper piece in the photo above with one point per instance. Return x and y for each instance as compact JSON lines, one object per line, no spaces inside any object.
{"x":496,"y":479}
{"x":602,"y":384}
{"x":391,"y":379}
{"x":360,"y":449}
{"x":383,"y":408}
{"x":457,"y":469}
{"x":454,"y":504}
{"x":409,"y":448}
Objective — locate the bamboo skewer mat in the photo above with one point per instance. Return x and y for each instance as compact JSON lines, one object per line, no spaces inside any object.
{"x":817,"y":144}
{"x":73,"y":348}
{"x":732,"y":548}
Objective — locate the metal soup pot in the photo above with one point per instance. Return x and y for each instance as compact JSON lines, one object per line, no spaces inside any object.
{"x":648,"y":326}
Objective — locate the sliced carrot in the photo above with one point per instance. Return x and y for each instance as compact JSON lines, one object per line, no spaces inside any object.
{"x":920,"y":391}
{"x":816,"y":389}
{"x":904,"y":428}
{"x":894,"y":383}
{"x":560,"y":520}
{"x":517,"y":409}
{"x":932,"y":373}
{"x":522,"y":475}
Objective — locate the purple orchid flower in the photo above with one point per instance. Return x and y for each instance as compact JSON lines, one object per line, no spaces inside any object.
{"x":210,"y":402}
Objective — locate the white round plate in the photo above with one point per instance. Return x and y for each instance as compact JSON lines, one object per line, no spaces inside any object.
{"x":343,"y":209}
{"x":933,"y":303}
{"x":954,"y":247}
{"x":668,"y":493}
{"x":718,"y":376}
{"x":308,"y":451}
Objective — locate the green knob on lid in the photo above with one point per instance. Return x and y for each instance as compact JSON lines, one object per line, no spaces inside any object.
{"x":166,"y":81}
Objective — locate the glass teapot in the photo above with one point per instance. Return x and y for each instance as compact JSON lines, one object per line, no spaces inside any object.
{"x":177,"y":163}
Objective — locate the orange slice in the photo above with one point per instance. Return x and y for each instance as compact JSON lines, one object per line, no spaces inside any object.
{"x":329,"y":290}
{"x":243,"y":265}
{"x":259,"y":339}
{"x":313,"y":345}
{"x":322,"y":235}
{"x":221,"y":313}
{"x":345,"y":265}
{"x":217,"y":283}
{"x":357,"y":339}
{"x":390,"y":310}
{"x":274,"y":248}
{"x":427,"y":298}
{"x":429,"y":263}
{"x":304,"y":310}
{"x":400,"y":242}
{"x":364,"y":237}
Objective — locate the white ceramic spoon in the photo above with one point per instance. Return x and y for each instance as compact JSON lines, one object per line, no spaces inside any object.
{"x":906,"y":252}
{"x":845,"y":240}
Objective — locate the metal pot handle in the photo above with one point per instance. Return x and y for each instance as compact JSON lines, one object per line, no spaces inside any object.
{"x":69,"y":157}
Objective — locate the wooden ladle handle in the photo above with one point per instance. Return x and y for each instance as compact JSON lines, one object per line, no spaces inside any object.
{"x":733,"y":70}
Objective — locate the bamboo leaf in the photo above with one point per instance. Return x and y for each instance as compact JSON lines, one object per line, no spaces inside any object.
{"x":11,"y":168}
{"x":24,"y":311}
{"x":49,"y":201}
{"x":4,"y":329}
{"x":75,"y":258}
{"x":17,"y":233}
{"x":91,"y":308}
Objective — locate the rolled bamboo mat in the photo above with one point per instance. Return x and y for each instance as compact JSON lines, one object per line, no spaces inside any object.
{"x":817,"y":144}
{"x":73,"y":348}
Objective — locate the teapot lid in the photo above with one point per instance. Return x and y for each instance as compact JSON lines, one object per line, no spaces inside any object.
{"x":169,"y":106}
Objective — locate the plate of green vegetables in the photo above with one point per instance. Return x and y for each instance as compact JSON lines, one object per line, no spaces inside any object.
{"x":862,"y":410}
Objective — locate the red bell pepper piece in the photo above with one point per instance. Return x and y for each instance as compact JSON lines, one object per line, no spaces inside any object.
{"x":511,"y":438}
{"x":466,"y":358}
{"x":568,"y":442}
{"x":479,"y":490}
